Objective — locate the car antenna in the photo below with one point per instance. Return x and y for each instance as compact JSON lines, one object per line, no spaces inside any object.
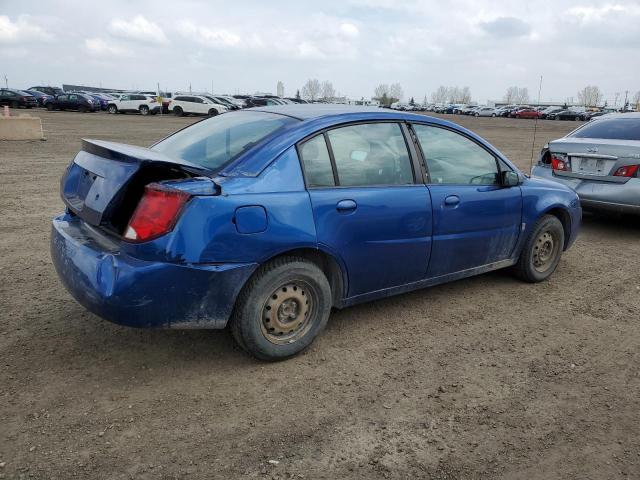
{"x":535,"y":128}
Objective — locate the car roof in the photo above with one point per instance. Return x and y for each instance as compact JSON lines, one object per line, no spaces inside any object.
{"x":308,"y":111}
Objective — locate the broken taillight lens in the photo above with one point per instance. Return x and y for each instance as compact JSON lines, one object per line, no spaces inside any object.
{"x":559,"y":162}
{"x":156,"y":213}
{"x":627,"y":171}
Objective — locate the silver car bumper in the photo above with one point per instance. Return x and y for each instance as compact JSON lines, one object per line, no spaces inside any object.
{"x":615,"y":194}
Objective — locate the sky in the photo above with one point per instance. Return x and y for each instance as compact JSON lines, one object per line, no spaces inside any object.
{"x":247,"y":46}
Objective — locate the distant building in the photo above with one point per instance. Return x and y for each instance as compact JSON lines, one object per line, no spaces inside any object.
{"x":280,"y":89}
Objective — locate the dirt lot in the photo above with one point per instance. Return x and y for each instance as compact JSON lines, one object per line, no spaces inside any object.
{"x":483,"y":378}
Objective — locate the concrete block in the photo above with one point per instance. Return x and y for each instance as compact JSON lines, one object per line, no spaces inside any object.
{"x":23,"y":127}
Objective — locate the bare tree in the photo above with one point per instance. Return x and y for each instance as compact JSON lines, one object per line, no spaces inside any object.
{"x":516,"y":95}
{"x":395,"y":92}
{"x":590,"y":96}
{"x":380,"y":91}
{"x":440,"y":95}
{"x":311,"y":89}
{"x":328,"y":92}
{"x":465,"y":95}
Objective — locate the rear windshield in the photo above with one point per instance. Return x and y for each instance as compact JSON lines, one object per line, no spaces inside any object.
{"x":216,"y":141}
{"x":611,"y":128}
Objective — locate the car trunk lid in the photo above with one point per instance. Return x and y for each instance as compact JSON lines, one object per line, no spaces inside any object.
{"x":106,"y":180}
{"x":597,"y":157}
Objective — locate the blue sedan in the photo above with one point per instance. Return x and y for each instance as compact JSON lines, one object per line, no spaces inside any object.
{"x":265,"y":219}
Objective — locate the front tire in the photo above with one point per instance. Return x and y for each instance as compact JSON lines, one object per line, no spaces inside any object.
{"x":178,"y":112}
{"x":542,"y":250}
{"x":112,"y":109}
{"x":281,"y":309}
{"x":212,"y":112}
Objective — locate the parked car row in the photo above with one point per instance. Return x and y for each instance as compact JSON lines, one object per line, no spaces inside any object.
{"x":142,"y":102}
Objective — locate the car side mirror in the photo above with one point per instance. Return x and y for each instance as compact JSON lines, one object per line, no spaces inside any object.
{"x":509,"y":179}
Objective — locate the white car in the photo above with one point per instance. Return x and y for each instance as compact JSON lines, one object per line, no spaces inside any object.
{"x":485,"y":112}
{"x":182,"y":104}
{"x":134,"y":102}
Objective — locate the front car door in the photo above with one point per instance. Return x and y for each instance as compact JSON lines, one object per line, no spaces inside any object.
{"x":476,"y":221}
{"x":369,"y":209}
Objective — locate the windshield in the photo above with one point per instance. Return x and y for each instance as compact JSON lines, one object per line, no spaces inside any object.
{"x":611,"y":129}
{"x":216,"y":141}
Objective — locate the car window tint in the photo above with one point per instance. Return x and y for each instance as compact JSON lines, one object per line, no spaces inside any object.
{"x":62,"y":98}
{"x":178,"y":99}
{"x":454,"y":159}
{"x":124,"y":97}
{"x":317,"y":163}
{"x":371,"y":154}
{"x":214,"y":142}
{"x":611,"y":129}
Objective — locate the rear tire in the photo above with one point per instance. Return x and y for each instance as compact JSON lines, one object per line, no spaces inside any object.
{"x":112,"y":109}
{"x":144,"y":110}
{"x":542,"y":250}
{"x":178,"y":112}
{"x":281,"y":309}
{"x":50,"y":106}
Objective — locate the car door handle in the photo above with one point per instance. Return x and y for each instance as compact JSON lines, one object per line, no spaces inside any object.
{"x":452,"y":200}
{"x":344,"y":206}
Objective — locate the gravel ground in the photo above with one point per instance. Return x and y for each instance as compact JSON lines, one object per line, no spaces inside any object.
{"x":482,"y":378}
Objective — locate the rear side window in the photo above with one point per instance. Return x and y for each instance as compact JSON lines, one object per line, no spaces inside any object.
{"x":454,"y":159}
{"x":371,"y":154}
{"x":317,"y":163}
{"x":216,"y":141}
{"x":611,"y":129}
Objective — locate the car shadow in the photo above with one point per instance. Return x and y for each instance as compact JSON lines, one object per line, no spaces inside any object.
{"x":606,"y":222}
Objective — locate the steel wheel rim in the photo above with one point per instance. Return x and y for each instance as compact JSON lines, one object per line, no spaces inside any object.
{"x":287,"y":314}
{"x":544,"y":251}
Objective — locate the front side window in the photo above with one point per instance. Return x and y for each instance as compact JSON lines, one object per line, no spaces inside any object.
{"x":317,"y":163}
{"x":454,"y":159}
{"x":371,"y":154}
{"x":214,"y":142}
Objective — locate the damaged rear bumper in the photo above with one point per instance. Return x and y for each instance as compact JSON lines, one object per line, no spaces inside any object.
{"x":621,"y":195}
{"x":137,"y":293}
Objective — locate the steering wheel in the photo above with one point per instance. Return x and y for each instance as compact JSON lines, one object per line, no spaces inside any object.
{"x":484,"y":179}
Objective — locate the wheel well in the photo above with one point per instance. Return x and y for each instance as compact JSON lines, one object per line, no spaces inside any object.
{"x":564,"y":217}
{"x":327,"y":264}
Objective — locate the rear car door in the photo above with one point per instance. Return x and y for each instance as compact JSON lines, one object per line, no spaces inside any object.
{"x":368,"y":207}
{"x":126,"y":103}
{"x":476,"y":221}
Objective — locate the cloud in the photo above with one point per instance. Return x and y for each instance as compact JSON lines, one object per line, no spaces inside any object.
{"x":139,"y":29}
{"x":600,"y":14}
{"x":22,"y":30}
{"x":349,"y":29}
{"x":100,"y":47}
{"x":213,"y":38}
{"x":506,"y":27}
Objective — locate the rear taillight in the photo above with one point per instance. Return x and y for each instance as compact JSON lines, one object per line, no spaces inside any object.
{"x":559,"y":162}
{"x":627,"y":171}
{"x":156,"y":213}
